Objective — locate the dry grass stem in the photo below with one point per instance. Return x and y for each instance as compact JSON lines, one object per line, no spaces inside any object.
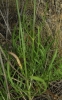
{"x":3,"y":68}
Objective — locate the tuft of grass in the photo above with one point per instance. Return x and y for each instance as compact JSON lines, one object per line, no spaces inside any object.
{"x":40,"y":65}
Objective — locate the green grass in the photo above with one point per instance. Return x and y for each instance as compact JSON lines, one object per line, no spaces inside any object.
{"x":39,"y":64}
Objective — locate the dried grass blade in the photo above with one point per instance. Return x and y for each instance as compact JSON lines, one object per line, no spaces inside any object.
{"x":17,"y":59}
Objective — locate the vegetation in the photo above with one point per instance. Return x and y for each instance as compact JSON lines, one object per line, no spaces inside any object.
{"x":32,"y":63}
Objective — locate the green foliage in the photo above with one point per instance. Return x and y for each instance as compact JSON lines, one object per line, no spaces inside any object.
{"x":39,"y":64}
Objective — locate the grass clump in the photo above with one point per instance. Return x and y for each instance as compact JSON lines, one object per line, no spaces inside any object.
{"x":39,"y":64}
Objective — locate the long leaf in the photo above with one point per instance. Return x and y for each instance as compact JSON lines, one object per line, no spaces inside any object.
{"x":36,"y":78}
{"x":52,"y":61}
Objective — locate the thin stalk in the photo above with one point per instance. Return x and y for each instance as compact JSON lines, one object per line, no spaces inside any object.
{"x":2,"y":65}
{"x":34,"y":18}
{"x":21,"y":37}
